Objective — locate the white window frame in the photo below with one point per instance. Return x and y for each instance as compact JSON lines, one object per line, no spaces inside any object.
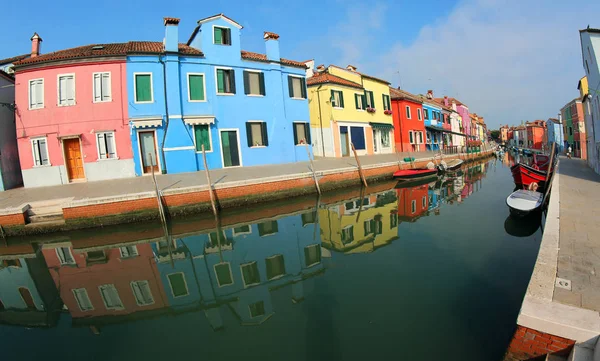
{"x":242,"y":233}
{"x":278,"y":276}
{"x":409,"y":113}
{"x":368,"y":99}
{"x":247,"y":264}
{"x":209,"y":139}
{"x":98,"y":145}
{"x":149,"y":289}
{"x":258,"y":121}
{"x":305,"y":129}
{"x":222,"y":27}
{"x":255,"y":71}
{"x":413,"y":206}
{"x":86,"y":295}
{"x":70,"y":253}
{"x":29,"y":92}
{"x":104,"y":301}
{"x":316,"y":263}
{"x":301,"y":77}
{"x":419,"y":114}
{"x":135,"y":101}
{"x":33,"y":151}
{"x":424,"y":201}
{"x":230,"y":274}
{"x":342,"y":95}
{"x":203,"y":85}
{"x":109,"y":86}
{"x":58,"y":90}
{"x":217,"y":80}
{"x":361,"y":104}
{"x":187,"y":289}
{"x":239,"y":146}
{"x":413,"y":137}
{"x":348,"y":124}
{"x":137,"y":253}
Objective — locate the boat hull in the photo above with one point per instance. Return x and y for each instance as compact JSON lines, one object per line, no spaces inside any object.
{"x":523,"y":202}
{"x":415,"y":173}
{"x":524,"y":175}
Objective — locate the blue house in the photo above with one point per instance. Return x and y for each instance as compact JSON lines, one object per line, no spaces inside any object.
{"x":433,"y":124}
{"x":244,"y":108}
{"x":554,"y":130}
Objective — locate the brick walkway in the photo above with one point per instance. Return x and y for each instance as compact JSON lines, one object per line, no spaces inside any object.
{"x":75,"y":191}
{"x":579,"y":245}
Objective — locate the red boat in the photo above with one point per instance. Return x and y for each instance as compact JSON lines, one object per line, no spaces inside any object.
{"x":415,"y":173}
{"x":541,"y":162}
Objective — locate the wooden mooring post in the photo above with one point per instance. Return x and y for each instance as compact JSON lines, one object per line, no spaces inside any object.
{"x":213,"y":203}
{"x":312,"y":168}
{"x":161,"y":212}
{"x":360,"y":171}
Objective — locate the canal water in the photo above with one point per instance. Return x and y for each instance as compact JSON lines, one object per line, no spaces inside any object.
{"x":429,"y":271}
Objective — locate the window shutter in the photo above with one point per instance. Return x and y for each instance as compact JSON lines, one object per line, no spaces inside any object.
{"x":364,"y":102}
{"x":290,"y":86}
{"x":110,"y":145}
{"x":307,"y":133}
{"x":365,"y":224}
{"x":62,"y":90}
{"x":106,"y":93}
{"x":36,"y":152}
{"x":43,"y":151}
{"x":227,"y":37}
{"x":246,"y":83}
{"x":204,"y":132}
{"x":101,"y":145}
{"x":98,"y":87}
{"x":70,"y":90}
{"x":384,"y":102}
{"x":218,"y":36}
{"x":356,"y":100}
{"x":303,"y":87}
{"x":232,"y":80}
{"x":295,"y":133}
{"x":262,"y":83}
{"x":341,"y":99}
{"x":249,"y":134}
{"x":372,"y":99}
{"x":333,"y":104}
{"x":220,"y":81}
{"x":263,"y":127}
{"x":198,"y":138}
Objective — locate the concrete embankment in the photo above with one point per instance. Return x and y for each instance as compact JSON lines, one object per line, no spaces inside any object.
{"x":126,"y":201}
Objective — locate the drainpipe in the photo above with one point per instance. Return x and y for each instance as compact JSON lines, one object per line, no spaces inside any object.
{"x":321,"y":119}
{"x":162,"y":144}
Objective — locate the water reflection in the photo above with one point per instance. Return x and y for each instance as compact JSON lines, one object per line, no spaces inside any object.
{"x":104,"y":278}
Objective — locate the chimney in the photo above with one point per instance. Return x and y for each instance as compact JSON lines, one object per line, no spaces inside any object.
{"x":310,"y":68}
{"x":36,"y":45}
{"x":446,"y":101}
{"x":320,"y":68}
{"x":430,"y":94}
{"x":351,"y":68}
{"x":272,"y":45}
{"x":171,"y":42}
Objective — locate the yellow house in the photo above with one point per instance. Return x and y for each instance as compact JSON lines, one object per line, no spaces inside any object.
{"x":348,"y":107}
{"x":583,"y":86}
{"x":348,"y":227}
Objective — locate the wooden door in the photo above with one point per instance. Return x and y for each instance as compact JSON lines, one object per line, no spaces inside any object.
{"x":148,"y":149}
{"x":27,"y":298}
{"x":344,"y":141}
{"x":73,"y":159}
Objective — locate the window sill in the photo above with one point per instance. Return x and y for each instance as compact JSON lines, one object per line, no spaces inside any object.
{"x":337,"y":108}
{"x":38,"y":108}
{"x":258,"y":146}
{"x":65,"y":105}
{"x":102,"y":101}
{"x":251,"y":285}
{"x":148,"y":102}
{"x":256,"y":95}
{"x":360,"y":110}
{"x":276,"y":277}
{"x":226,"y":94}
{"x":302,"y":145}
{"x":196,"y":101}
{"x":296,"y":98}
{"x":42,"y":166}
{"x":205,"y":151}
{"x":106,"y":159}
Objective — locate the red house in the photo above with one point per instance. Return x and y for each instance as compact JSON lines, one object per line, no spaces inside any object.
{"x":536,"y":131}
{"x":409,"y":128}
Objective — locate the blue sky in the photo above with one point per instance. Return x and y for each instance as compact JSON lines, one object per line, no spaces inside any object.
{"x":509,"y":60}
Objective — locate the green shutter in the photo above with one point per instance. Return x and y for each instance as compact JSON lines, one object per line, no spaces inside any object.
{"x":196,"y":87}
{"x":341,"y":99}
{"x":262,"y":83}
{"x":333,"y":99}
{"x":372,"y":99}
{"x":246,"y":82}
{"x":218,"y":36}
{"x":143,"y":88}
{"x":295,"y":133}
{"x":202,"y":137}
{"x":249,"y":134}
{"x":364,"y":102}
{"x":232,"y":80}
{"x":220,"y":81}
{"x":303,"y":88}
{"x":290,"y":86}
{"x":263,"y":127}
{"x":307,"y":132}
{"x":356,"y":100}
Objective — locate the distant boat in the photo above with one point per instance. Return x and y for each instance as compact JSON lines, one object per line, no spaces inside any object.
{"x":524,"y":202}
{"x":454,"y":164}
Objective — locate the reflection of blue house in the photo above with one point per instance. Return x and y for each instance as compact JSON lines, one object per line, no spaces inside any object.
{"x":245,"y":108}
{"x":241,"y":267}
{"x":433,"y":124}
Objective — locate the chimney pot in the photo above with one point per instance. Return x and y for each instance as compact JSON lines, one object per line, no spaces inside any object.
{"x":270,"y":36}
{"x":36,"y":45}
{"x":272,"y":46}
{"x":171,"y":42}
{"x":351,"y":67}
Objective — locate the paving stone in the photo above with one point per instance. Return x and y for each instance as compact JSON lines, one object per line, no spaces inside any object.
{"x":591,"y":300}
{"x":567,"y":297}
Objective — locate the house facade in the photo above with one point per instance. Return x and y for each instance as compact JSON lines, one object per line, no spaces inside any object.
{"x":590,"y":50}
{"x":554,"y":134}
{"x":536,"y":133}
{"x":244,"y":108}
{"x":72,"y":122}
{"x":10,"y":167}
{"x":348,"y":108}
{"x":452,"y":123}
{"x":409,"y":127}
{"x":432,"y":113}
{"x":574,"y":127}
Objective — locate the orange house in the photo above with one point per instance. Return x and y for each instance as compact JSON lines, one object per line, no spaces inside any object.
{"x":536,"y":133}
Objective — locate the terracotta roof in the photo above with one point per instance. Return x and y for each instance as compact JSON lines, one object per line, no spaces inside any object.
{"x":440,"y":101}
{"x":249,"y":55}
{"x":270,"y":35}
{"x":13,"y":59}
{"x":171,"y":21}
{"x":8,"y":77}
{"x":155,"y":47}
{"x":554,"y":120}
{"x":401,"y":94}
{"x":458,"y":102}
{"x":324,"y":78}
{"x":363,"y":75}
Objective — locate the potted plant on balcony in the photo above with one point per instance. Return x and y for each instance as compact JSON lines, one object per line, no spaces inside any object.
{"x":370,"y":110}
{"x":387,"y":112}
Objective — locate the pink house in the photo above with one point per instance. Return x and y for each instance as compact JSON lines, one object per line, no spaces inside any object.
{"x":72,"y":122}
{"x":462,"y":110}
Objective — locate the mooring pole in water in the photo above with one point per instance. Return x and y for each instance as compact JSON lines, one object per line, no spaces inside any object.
{"x":360,"y":171}
{"x":549,"y":172}
{"x":161,"y":211}
{"x":312,"y":167}
{"x":362,"y":195}
{"x":213,"y":203}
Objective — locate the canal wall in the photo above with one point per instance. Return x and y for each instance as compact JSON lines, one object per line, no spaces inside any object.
{"x":132,"y":207}
{"x":545,"y":326}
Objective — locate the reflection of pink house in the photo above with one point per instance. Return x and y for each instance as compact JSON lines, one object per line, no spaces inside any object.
{"x":72,"y":122}
{"x":100,"y":282}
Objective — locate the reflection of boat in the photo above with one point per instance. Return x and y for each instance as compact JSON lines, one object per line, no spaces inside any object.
{"x":524,"y":202}
{"x":415,"y":173}
{"x":415,"y":182}
{"x":454,"y":164}
{"x":523,"y":227}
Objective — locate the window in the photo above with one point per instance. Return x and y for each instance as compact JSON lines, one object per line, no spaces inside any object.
{"x":360,"y":101}
{"x":426,"y":114}
{"x":143,"y":294}
{"x":419,"y":113}
{"x":105,"y":142}
{"x":254,"y":83}
{"x":370,"y":99}
{"x":393,"y":220}
{"x":267,"y":228}
{"x":223,"y":272}
{"x":128,"y":251}
{"x":257,"y":309}
{"x":413,"y":206}
{"x":309,"y":218}
{"x":411,"y":137}
{"x":386,"y":102}
{"x":65,"y":256}
{"x":570,"y":131}
{"x":36,"y":93}
{"x":587,"y":67}
{"x":424,"y":202}
{"x":83,"y":300}
{"x":297,"y":87}
{"x":428,"y":138}
{"x":368,"y":226}
{"x":214,"y":237}
{"x":40,"y":152}
{"x":66,"y":90}
{"x":407,"y":112}
{"x":143,"y":88}
{"x":202,"y":137}
{"x":225,"y":81}
{"x":178,"y":284}
{"x":222,"y":36}
{"x":337,"y":99}
{"x":16,"y":263}
{"x":245,"y":229}
{"x":111,"y":298}
{"x":257,"y":134}
{"x":250,"y":274}
{"x":385,"y":139}
{"x":275,"y":266}
{"x":347,"y":234}
{"x":435,"y":115}
{"x":312,"y":255}
{"x":196,"y":87}
{"x":301,"y":133}
{"x":102,"y":87}
{"x":420,"y":137}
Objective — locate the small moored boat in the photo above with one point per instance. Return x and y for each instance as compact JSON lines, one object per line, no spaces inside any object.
{"x":454,"y":164}
{"x":524,"y":202}
{"x":415,"y":173}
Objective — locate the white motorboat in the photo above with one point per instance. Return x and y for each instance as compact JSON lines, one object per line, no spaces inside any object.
{"x":524,"y":202}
